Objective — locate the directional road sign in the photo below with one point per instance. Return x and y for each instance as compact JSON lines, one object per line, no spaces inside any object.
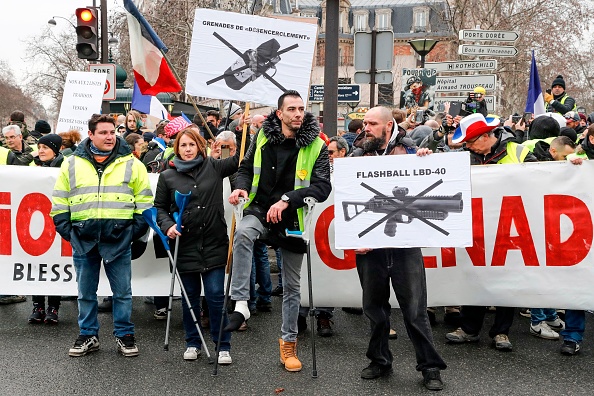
{"x":110,"y":83}
{"x":462,"y":66}
{"x":489,"y":99}
{"x":488,"y":35}
{"x":465,"y":83}
{"x":487,"y":50}
{"x":346,"y":93}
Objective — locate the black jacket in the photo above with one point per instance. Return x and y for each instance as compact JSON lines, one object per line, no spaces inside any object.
{"x":541,"y":151}
{"x":279,"y":159}
{"x":204,"y":242}
{"x":499,"y":150}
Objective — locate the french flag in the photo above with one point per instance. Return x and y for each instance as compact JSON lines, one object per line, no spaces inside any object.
{"x":148,"y":104}
{"x":151,"y":71}
{"x":535,"y":101}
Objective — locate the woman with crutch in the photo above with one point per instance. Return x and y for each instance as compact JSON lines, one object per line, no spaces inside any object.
{"x":203,"y":243}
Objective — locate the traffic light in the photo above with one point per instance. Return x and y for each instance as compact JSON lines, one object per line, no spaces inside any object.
{"x":86,"y":33}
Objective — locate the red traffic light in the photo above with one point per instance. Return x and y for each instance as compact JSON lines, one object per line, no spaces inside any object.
{"x":86,"y":15}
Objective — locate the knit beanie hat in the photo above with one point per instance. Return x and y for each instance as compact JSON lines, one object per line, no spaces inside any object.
{"x":43,"y":127}
{"x":52,"y":141}
{"x":558,"y":81}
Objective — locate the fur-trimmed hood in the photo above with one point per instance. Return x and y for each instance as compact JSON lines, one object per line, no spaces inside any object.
{"x":310,"y":129}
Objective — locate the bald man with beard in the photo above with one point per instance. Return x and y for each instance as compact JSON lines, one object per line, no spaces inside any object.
{"x":403,"y":267}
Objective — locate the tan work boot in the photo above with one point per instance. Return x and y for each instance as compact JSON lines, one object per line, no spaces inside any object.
{"x":288,"y":355}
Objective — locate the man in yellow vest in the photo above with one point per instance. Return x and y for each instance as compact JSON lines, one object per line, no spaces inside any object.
{"x":286,"y":163}
{"x":488,"y":144}
{"x":98,"y":200}
{"x":7,"y":157}
{"x":557,"y":100}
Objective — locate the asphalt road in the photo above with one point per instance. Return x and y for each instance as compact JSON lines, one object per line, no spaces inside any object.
{"x":35,"y":361}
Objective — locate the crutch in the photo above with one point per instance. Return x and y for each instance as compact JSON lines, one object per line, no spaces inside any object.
{"x":308,"y":216}
{"x":237,"y":216}
{"x":150,"y":216}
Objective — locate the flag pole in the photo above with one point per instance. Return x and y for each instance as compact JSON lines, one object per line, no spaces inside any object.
{"x":192,"y":101}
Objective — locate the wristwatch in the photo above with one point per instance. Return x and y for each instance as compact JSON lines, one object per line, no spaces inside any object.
{"x":285,"y":198}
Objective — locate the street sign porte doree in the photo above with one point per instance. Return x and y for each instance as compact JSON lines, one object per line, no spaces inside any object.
{"x":487,"y":50}
{"x":462,"y":66}
{"x":488,"y":35}
{"x":346,"y":93}
{"x":465,"y":83}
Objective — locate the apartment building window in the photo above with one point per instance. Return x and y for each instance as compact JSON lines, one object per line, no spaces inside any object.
{"x":361,"y":20}
{"x":383,"y":19}
{"x":420,"y":19}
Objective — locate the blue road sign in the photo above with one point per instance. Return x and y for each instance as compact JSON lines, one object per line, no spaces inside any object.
{"x":346,"y":93}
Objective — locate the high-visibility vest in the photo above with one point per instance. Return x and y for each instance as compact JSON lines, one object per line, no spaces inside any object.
{"x":4,"y":155}
{"x":305,"y":162}
{"x":562,"y":101}
{"x":121,"y":190}
{"x":516,"y":154}
{"x":532,"y":143}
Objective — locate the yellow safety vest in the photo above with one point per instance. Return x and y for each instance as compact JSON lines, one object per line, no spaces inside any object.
{"x":121,"y":191}
{"x":562,"y":101}
{"x":4,"y":155}
{"x":532,"y":143}
{"x":516,"y":154}
{"x":305,"y":162}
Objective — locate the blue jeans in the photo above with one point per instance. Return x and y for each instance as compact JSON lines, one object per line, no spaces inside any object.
{"x":214,"y":292}
{"x":119,"y":274}
{"x":538,"y":315}
{"x":260,"y":275}
{"x":249,"y":229}
{"x":279,"y":263}
{"x":575,"y":324}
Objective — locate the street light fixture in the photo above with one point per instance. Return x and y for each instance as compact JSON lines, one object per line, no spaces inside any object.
{"x":52,"y":21}
{"x":423,"y":47}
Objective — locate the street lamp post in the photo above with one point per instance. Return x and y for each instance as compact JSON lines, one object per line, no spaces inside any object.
{"x":52,"y":21}
{"x":423,"y":47}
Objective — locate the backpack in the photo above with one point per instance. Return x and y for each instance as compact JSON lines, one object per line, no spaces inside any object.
{"x":159,"y":164}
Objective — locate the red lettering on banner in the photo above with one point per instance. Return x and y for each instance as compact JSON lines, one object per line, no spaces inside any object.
{"x":323,"y":244}
{"x":448,"y":257}
{"x":30,"y":204}
{"x":430,"y":261}
{"x":512,"y":210}
{"x":477,"y":251}
{"x":5,"y":225}
{"x":66,"y":249}
{"x":577,"y":246}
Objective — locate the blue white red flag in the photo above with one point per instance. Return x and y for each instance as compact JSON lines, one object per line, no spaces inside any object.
{"x":148,"y":104}
{"x":151,"y":71}
{"x":535,"y":101}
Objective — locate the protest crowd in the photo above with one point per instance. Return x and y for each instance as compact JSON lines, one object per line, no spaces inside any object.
{"x":274,"y":161}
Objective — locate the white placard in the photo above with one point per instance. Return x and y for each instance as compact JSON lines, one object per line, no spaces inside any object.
{"x":83,"y":94}
{"x":403,"y":201}
{"x":249,"y":58}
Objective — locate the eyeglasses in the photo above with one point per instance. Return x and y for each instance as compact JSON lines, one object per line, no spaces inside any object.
{"x":11,"y":137}
{"x":472,"y":141}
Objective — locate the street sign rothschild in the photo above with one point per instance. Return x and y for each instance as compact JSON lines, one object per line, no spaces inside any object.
{"x":462,"y":66}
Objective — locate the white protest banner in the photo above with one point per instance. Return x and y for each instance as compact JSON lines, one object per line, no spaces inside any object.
{"x":403,"y":201}
{"x":532,"y":231}
{"x":249,"y":58}
{"x":83,"y":94}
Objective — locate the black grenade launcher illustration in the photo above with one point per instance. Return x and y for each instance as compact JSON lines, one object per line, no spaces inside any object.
{"x":252,"y":64}
{"x":404,"y":208}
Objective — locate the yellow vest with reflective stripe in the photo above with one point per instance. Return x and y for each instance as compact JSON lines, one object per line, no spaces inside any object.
{"x":532,"y":143}
{"x":122,"y":190}
{"x":516,"y":154}
{"x":4,"y":155}
{"x":305,"y":162}
{"x":562,"y":101}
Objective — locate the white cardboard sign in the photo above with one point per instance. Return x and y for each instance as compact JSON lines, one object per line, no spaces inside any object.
{"x":403,"y":201}
{"x":249,"y":58}
{"x":83,"y":94}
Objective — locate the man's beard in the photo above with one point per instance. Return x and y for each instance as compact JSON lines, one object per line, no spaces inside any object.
{"x":372,"y":143}
{"x":291,"y":127}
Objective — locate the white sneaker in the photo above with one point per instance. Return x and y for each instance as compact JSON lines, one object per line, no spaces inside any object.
{"x":543,"y":330}
{"x":225,"y":358}
{"x":556,"y":324}
{"x":192,"y":353}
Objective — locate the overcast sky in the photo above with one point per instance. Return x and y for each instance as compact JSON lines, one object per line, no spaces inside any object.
{"x":20,"y":20}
